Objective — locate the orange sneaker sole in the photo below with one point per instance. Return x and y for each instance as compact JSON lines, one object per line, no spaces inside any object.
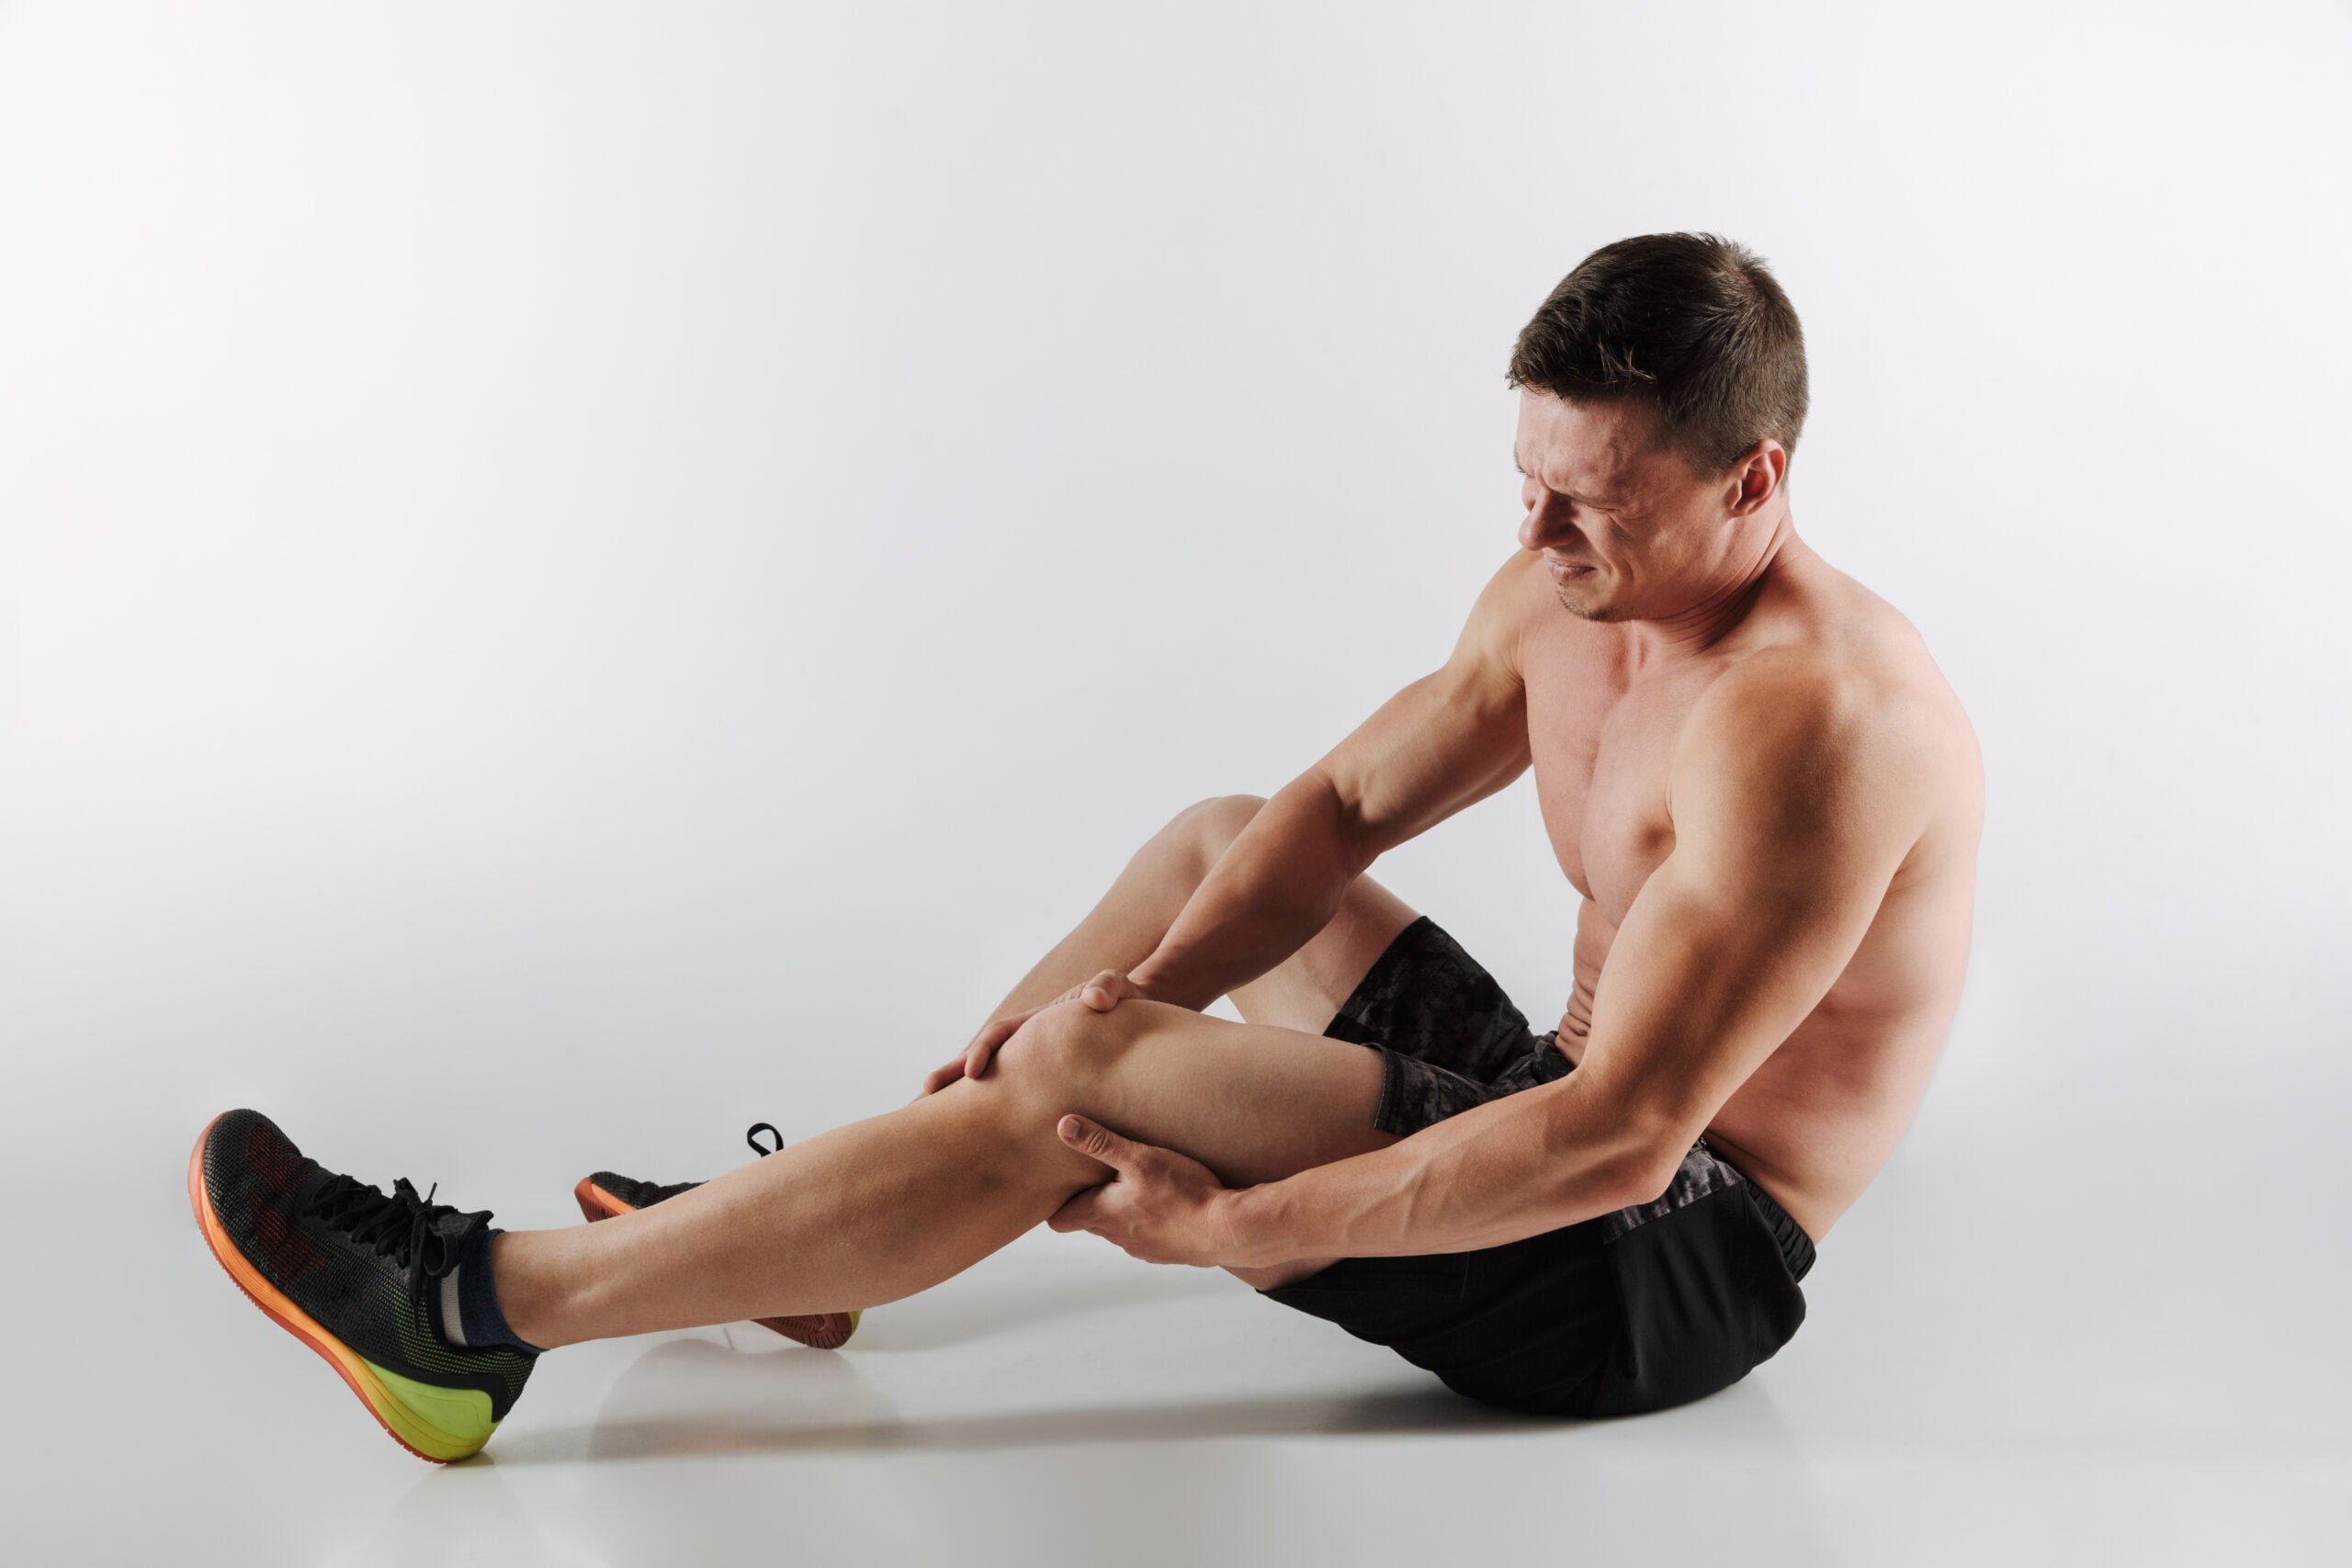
{"x":824,"y":1330}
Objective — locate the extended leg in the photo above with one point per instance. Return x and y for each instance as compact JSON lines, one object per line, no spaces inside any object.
{"x":880,"y":1209}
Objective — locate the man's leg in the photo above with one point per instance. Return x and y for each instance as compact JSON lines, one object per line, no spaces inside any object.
{"x":880,"y":1209}
{"x":1300,"y":993}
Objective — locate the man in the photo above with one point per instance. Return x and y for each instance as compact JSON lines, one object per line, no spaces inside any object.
{"x":1748,"y":766}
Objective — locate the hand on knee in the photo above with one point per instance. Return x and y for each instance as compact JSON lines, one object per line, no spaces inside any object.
{"x":1063,"y":1045}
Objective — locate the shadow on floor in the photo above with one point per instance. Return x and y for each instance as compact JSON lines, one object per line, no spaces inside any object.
{"x":817,"y":1403}
{"x":978,"y":1309}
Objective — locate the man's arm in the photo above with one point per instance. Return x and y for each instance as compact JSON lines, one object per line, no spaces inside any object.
{"x":1448,"y":739}
{"x":1795,"y":796}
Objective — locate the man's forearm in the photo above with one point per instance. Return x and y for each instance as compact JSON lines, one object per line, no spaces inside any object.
{"x":1276,"y":886}
{"x":1513,"y":1167}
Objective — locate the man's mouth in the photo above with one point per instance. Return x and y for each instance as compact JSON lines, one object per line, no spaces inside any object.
{"x":1566,"y":570}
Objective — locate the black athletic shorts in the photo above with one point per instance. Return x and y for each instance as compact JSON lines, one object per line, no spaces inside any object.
{"x":1643,"y":1308}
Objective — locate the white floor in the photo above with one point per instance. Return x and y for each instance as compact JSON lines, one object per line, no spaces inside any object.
{"x":1972,"y":1385}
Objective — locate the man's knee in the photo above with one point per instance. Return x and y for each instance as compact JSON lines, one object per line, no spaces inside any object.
{"x":1069,"y":1046}
{"x":1064,"y":1060}
{"x":1208,"y":826}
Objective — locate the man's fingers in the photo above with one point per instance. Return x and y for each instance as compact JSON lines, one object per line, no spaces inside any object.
{"x":1094,"y":1138}
{"x":1076,"y":1215}
{"x":1101,"y":994}
{"x":975,"y":1059}
{"x":1109,"y":986}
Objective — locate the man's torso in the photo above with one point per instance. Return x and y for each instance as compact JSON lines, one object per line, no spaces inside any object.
{"x":1817,"y":1121}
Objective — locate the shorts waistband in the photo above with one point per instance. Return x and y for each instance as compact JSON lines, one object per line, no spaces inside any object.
{"x":1796,"y":1247}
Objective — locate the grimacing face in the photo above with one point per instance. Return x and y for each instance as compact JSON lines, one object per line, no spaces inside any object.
{"x":1627,"y":531}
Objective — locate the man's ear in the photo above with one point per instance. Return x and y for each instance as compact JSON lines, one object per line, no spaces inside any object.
{"x":1755,"y":477}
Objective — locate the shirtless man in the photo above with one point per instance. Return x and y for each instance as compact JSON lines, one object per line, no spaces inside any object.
{"x":1748,"y":767}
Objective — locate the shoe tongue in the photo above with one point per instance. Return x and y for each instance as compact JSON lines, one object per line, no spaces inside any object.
{"x":440,"y":1255}
{"x":446,"y":1241}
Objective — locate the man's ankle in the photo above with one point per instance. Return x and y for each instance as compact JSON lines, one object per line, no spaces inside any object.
{"x":477,"y":1301}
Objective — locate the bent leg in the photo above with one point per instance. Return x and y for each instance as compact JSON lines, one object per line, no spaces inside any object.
{"x":1301,"y":993}
{"x":879,"y":1209}
{"x":1122,"y":930}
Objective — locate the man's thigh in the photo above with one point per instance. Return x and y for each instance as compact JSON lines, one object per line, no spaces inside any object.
{"x":1305,"y":990}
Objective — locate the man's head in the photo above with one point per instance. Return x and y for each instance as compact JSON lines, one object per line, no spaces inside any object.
{"x":1662,"y":389}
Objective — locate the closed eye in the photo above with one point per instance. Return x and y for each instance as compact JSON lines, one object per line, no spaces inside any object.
{"x":1609,"y":506}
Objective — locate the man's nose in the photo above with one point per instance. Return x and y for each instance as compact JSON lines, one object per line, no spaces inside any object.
{"x":1542,"y":525}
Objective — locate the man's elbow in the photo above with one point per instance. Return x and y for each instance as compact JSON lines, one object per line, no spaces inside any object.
{"x":1630,"y":1159}
{"x":1647,"y":1171}
{"x":1354,"y":835}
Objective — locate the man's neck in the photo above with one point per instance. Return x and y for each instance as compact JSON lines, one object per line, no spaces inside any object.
{"x":1692,"y":632}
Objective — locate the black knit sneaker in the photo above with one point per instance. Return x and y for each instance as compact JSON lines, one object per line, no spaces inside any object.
{"x":357,"y":1276}
{"x":603,"y":1195}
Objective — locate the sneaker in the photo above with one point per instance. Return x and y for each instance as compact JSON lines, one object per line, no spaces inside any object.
{"x":356,"y":1275}
{"x":603,"y":1195}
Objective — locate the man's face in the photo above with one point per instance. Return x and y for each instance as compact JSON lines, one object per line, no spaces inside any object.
{"x":1626,"y":529}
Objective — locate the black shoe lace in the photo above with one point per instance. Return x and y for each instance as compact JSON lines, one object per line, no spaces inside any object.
{"x":400,"y":1225}
{"x":752,"y":1136}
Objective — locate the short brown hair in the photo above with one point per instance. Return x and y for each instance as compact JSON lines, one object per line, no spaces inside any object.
{"x":1690,"y":325}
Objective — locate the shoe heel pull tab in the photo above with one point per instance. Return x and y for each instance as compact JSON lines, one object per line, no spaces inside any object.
{"x":752,"y":1136}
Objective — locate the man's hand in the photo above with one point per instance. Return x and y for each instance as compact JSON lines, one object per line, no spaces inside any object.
{"x":1102,"y":993}
{"x":1161,"y":1207}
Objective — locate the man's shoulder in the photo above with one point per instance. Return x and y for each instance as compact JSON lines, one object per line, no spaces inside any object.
{"x":1505,"y":609}
{"x":1809,"y":711}
{"x":1838,"y":631}
{"x":1834,"y":653}
{"x":1823,"y":677}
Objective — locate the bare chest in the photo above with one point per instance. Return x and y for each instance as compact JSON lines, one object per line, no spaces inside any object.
{"x":1816,"y":1122}
{"x":1603,"y":749}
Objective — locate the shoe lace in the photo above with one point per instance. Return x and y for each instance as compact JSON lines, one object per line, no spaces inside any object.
{"x":752,"y":1136}
{"x":398,"y":1223}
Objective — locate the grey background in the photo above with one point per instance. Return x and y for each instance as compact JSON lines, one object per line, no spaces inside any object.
{"x":585,"y":575}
